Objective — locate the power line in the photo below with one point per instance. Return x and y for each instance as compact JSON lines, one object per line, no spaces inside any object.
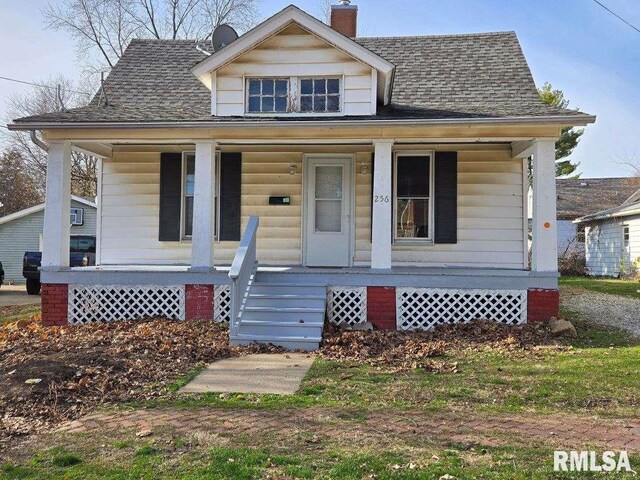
{"x":39,"y":85}
{"x":618,"y":16}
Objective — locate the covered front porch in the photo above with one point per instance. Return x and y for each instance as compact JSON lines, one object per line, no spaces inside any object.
{"x":465,"y":256}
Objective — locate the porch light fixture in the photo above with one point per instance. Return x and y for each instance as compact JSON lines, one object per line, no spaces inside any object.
{"x":292,"y":169}
{"x":364,"y":168}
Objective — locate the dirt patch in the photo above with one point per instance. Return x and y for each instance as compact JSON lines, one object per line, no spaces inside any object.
{"x":52,"y":374}
{"x":409,"y":350}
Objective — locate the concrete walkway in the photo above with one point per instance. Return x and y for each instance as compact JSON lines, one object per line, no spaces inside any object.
{"x":279,"y":373}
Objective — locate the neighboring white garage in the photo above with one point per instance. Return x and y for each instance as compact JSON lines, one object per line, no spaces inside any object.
{"x":613,"y":239}
{"x":22,"y":231}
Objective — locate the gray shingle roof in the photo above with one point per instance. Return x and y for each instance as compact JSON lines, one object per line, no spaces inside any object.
{"x":580,"y":197}
{"x":437,"y":77}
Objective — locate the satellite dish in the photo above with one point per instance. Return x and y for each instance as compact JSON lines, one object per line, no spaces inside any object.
{"x":222,"y":36}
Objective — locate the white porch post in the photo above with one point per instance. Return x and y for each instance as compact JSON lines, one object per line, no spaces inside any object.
{"x":381,"y":226}
{"x":544,"y":254}
{"x":57,"y":222}
{"x":203,"y":207}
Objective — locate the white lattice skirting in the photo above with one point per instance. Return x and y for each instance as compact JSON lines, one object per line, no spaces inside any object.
{"x":221,"y":303}
{"x":106,"y":303}
{"x":424,"y":308}
{"x":347,"y":305}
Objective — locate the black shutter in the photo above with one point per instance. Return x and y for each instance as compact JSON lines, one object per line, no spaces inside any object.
{"x":446,"y":197}
{"x":170,"y":196}
{"x":230,"y":189}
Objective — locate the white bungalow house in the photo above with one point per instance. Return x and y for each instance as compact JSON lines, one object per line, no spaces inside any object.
{"x":302,"y":171}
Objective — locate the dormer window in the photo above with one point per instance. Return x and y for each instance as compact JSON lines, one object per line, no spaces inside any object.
{"x":319,"y":95}
{"x":268,"y":95}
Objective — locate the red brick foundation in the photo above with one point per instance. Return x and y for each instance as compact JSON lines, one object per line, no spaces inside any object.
{"x":381,"y":307}
{"x":55,"y":300}
{"x":198,"y":302}
{"x":542,"y":304}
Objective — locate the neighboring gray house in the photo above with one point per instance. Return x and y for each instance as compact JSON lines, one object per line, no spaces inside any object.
{"x":613,"y":239}
{"x":584,"y":196}
{"x":22,"y":231}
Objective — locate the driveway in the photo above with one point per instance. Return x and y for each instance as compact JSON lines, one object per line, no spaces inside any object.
{"x":16,"y":295}
{"x":603,"y":308}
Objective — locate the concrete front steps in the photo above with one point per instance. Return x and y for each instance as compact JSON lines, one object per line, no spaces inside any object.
{"x":289,"y":315}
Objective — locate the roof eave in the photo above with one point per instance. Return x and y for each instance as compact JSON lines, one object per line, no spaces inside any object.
{"x":563,"y":120}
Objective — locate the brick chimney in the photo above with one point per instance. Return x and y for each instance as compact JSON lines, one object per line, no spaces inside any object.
{"x":344,"y":18}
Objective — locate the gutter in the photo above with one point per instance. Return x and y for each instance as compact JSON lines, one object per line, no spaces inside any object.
{"x":608,"y":216}
{"x":555,"y":119}
{"x":37,"y":141}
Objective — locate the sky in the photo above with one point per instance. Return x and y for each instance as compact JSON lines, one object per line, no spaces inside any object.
{"x":575,"y":45}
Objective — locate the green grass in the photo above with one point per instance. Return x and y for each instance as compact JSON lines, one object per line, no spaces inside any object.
{"x":547,"y":380}
{"x":614,"y":286}
{"x":245,"y":463}
{"x":24,"y":311}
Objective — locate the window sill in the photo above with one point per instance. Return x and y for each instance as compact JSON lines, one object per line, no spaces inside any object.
{"x":413,"y":243}
{"x":294,"y":114}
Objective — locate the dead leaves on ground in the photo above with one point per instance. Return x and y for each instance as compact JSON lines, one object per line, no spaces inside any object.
{"x":400,"y":351}
{"x":80,"y":367}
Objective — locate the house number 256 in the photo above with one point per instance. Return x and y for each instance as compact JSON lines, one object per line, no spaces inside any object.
{"x":381,"y":199}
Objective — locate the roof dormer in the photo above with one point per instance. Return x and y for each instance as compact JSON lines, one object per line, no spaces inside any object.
{"x":293,"y":64}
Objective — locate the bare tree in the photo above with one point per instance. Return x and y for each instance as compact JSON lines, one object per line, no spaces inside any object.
{"x":102,"y":29}
{"x":51,"y":95}
{"x":17,"y":188}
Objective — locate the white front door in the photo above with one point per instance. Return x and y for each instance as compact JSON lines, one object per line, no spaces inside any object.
{"x":328,"y":211}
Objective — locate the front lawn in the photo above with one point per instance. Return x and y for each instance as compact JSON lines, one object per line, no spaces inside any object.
{"x":615,"y":286}
{"x":480,"y":372}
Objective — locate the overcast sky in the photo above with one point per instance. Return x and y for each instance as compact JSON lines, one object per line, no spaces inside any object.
{"x":574,"y":44}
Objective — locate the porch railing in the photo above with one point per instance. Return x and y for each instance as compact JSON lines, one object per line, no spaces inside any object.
{"x":242,"y":273}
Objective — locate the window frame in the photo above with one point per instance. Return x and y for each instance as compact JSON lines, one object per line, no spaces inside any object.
{"x":295,"y":88}
{"x":320,"y":77}
{"x":247,"y":80}
{"x":183,"y":185}
{"x":430,"y":225}
{"x":76,"y":212}
{"x":626,"y":237}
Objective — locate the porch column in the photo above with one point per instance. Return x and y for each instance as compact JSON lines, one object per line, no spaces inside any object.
{"x":544,"y":253}
{"x":57,"y":223}
{"x":381,"y":227}
{"x":202,"y":238}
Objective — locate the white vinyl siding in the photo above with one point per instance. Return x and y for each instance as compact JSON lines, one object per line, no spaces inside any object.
{"x":490,"y":212}
{"x":295,"y":53}
{"x":604,"y":248}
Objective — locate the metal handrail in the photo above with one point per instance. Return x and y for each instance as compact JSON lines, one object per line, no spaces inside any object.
{"x":242,"y":272}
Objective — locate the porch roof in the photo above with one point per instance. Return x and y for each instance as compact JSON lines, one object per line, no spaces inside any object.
{"x":438,"y":78}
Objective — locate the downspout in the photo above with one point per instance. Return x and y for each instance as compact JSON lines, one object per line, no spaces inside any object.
{"x":37,"y":141}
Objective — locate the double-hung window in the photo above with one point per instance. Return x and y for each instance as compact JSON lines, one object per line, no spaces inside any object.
{"x":268,"y":95}
{"x":188,"y":190}
{"x":413,"y":187}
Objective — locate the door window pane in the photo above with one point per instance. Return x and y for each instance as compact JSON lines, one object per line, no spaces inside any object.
{"x":328,"y":215}
{"x":329,"y":182}
{"x":412,"y":218}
